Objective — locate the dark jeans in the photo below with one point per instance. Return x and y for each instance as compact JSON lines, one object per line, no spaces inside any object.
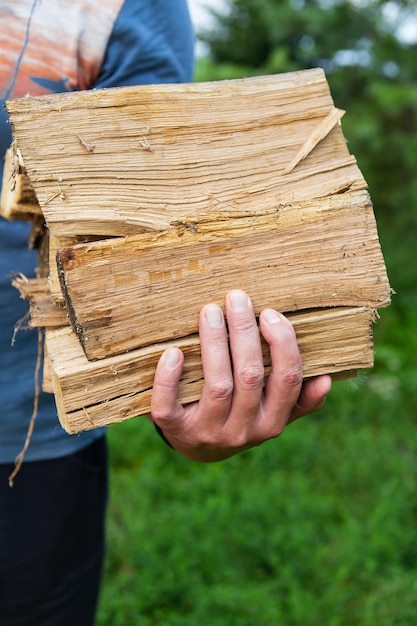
{"x":52,"y":539}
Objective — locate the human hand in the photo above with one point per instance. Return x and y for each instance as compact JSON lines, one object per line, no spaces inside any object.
{"x":237,"y":408}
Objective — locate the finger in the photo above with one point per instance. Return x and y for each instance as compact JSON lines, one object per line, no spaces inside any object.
{"x":247,"y":358}
{"x":217,"y":391}
{"x":283,"y":386}
{"x":164,"y":406}
{"x":312,"y":397}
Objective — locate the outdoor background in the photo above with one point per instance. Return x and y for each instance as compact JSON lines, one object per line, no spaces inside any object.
{"x":318,"y":527}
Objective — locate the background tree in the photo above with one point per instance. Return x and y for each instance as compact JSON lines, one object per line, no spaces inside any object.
{"x":372,"y":73}
{"x":368,"y":50}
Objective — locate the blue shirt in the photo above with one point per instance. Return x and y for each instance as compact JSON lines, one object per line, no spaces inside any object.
{"x":148,"y":42}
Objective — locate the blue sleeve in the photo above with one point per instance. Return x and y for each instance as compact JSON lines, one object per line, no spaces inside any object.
{"x":151,"y":42}
{"x":5,"y":137}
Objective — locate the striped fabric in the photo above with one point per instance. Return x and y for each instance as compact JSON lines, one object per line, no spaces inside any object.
{"x":29,"y":29}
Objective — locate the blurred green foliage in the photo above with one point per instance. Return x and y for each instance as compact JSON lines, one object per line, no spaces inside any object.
{"x":319,"y":527}
{"x":372,"y":74}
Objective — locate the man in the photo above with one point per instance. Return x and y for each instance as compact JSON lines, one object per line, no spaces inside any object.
{"x":52,"y":520}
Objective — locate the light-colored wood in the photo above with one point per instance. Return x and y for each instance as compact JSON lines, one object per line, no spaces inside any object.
{"x":111,"y":162}
{"x":92,"y":394}
{"x":18,"y":199}
{"x":126,"y":293}
{"x":56,"y":243}
{"x":47,"y":386}
{"x":43,"y":311}
{"x":318,"y":134}
{"x":204,"y":187}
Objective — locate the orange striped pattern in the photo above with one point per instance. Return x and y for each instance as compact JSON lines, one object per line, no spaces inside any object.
{"x":52,"y":45}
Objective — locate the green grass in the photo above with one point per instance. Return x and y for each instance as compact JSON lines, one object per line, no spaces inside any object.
{"x":318,"y":527}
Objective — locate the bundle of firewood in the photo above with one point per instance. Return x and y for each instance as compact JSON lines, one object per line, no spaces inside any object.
{"x":160,"y":199}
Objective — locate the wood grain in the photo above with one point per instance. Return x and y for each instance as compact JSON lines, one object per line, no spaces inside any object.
{"x":90,"y":394}
{"x":110,"y":162}
{"x":127,"y":293}
{"x":192,"y":190}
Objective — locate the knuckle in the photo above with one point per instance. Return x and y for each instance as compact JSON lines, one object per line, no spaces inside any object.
{"x":243,"y":325}
{"x":216,"y":342}
{"x":211,"y":440}
{"x":220,"y":390}
{"x":251,"y":376}
{"x":276,"y":430}
{"x":269,"y":429}
{"x":293,"y":377}
{"x":224,"y":440}
{"x":242,"y":439}
{"x":160,"y":416}
{"x":164,"y":384}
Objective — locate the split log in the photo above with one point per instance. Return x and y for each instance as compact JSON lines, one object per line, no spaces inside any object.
{"x":18,"y":198}
{"x":127,"y":293}
{"x":47,"y":386}
{"x":204,"y":187}
{"x":90,"y":394}
{"x":44,"y":312}
{"x":111,"y":162}
{"x":56,"y":243}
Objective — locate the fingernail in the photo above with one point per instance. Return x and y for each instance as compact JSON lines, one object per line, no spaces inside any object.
{"x":214,"y":316}
{"x":271,"y":316}
{"x":171,"y":358}
{"x":238,"y":301}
